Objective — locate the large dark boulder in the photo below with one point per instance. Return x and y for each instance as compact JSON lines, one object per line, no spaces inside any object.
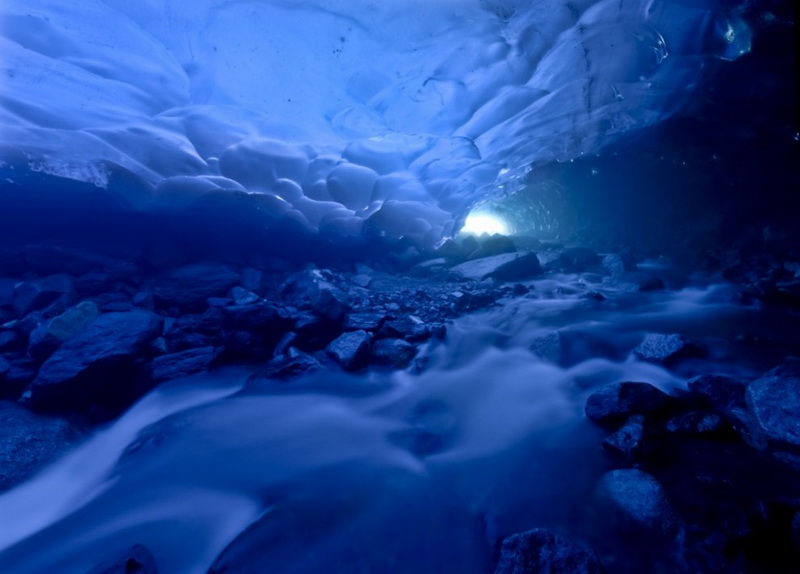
{"x":633,"y":500}
{"x":350,"y":350}
{"x":773,"y":406}
{"x":29,"y":441}
{"x":719,"y":392}
{"x":503,"y":267}
{"x":39,"y":293}
{"x":182,"y":364}
{"x":313,"y":290}
{"x":628,"y":443}
{"x":189,"y":287}
{"x":612,"y":404}
{"x":96,"y":364}
{"x":540,"y":551}
{"x":51,"y":334}
{"x":394,"y":353}
{"x":667,"y":350}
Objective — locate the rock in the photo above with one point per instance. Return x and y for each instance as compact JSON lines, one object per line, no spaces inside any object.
{"x":400,"y":328}
{"x":614,"y":264}
{"x":394,"y":353}
{"x":183,"y":364}
{"x":22,"y":370}
{"x":50,"y":335}
{"x":314,"y":332}
{"x":577,"y":259}
{"x":493,"y":245}
{"x":247,"y":346}
{"x":364,"y":321}
{"x":287,"y":368}
{"x":503,"y":267}
{"x":39,"y":293}
{"x":95,"y":282}
{"x":773,"y":407}
{"x":667,"y":349}
{"x":568,"y":347}
{"x":260,"y":317}
{"x":242,"y":296}
{"x":189,"y":287}
{"x":310,"y":290}
{"x":634,"y":500}
{"x":350,"y":350}
{"x":719,"y":392}
{"x":10,"y":341}
{"x":539,"y":551}
{"x":95,"y":364}
{"x":136,"y":560}
{"x":29,"y":441}
{"x":696,"y":423}
{"x":612,"y":404}
{"x":628,"y":442}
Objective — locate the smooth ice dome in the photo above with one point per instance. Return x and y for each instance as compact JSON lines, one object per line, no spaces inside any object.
{"x":332,"y":113}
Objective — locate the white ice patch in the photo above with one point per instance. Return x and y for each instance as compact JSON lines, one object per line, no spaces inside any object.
{"x":338,"y":97}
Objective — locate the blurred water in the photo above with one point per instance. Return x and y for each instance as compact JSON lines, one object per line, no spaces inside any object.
{"x":388,"y":473}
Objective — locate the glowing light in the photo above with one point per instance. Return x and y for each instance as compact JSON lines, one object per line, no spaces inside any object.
{"x":480,"y":223}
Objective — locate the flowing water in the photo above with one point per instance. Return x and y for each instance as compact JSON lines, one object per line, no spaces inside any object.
{"x":373,"y":473}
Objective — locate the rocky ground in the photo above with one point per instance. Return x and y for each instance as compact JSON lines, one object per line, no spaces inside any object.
{"x":710,"y":472}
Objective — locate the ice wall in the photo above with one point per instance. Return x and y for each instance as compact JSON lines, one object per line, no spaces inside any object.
{"x":397,"y":114}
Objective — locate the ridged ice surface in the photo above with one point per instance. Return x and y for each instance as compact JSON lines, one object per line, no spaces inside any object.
{"x":402,"y":112}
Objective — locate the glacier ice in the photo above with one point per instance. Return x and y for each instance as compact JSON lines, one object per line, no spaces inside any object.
{"x":335,"y":113}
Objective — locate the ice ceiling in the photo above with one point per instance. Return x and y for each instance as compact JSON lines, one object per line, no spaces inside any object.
{"x":400,"y":113}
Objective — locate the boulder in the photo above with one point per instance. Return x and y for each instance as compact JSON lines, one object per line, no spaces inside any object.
{"x":503,"y":267}
{"x":189,"y":287}
{"x":634,"y":500}
{"x":577,"y":259}
{"x":627,"y":443}
{"x":667,"y":350}
{"x":183,"y":364}
{"x":29,"y":441}
{"x":39,"y":293}
{"x":719,"y":392}
{"x":697,"y":423}
{"x":96,"y":361}
{"x":259,"y":317}
{"x":51,"y":334}
{"x":773,"y":408}
{"x":242,"y":296}
{"x":351,"y":349}
{"x":612,"y":404}
{"x":286,"y":368}
{"x":364,"y":321}
{"x":542,"y":552}
{"x":394,"y":353}
{"x":310,"y":290}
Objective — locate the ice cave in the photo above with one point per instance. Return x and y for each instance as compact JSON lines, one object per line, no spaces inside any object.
{"x":399,"y":287}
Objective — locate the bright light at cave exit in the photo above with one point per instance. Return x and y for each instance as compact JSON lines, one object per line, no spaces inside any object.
{"x":482,"y":222}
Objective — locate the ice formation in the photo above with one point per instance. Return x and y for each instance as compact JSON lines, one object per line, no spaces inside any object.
{"x":334,"y":113}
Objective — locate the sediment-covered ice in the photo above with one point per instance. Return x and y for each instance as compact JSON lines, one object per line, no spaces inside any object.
{"x":403,"y":113}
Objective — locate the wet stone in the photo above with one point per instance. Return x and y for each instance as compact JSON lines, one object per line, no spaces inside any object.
{"x":627,"y":443}
{"x":189,"y":287}
{"x":720,"y":392}
{"x":394,"y":353}
{"x":696,"y":423}
{"x":773,"y":406}
{"x":350,"y":350}
{"x":182,"y":364}
{"x":667,"y":349}
{"x":39,"y":293}
{"x":612,"y":404}
{"x":636,"y":500}
{"x":540,"y":551}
